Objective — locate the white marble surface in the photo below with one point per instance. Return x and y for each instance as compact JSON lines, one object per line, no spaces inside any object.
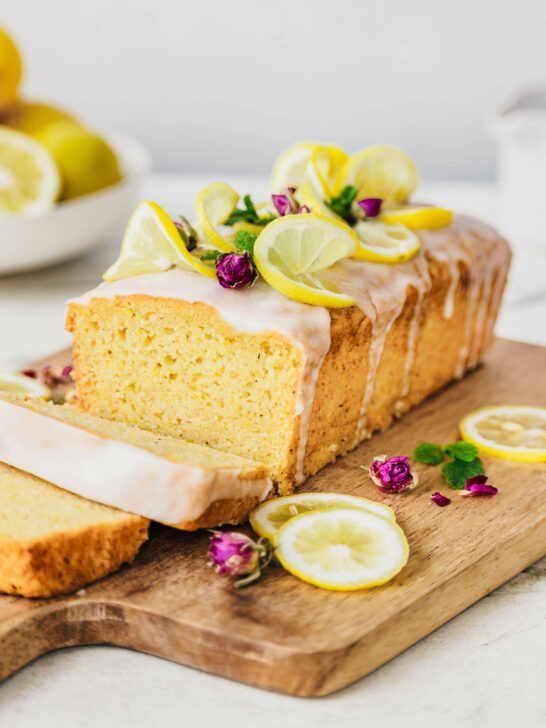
{"x":484,"y":669}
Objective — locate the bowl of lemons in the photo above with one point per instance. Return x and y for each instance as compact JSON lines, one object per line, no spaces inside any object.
{"x":64,"y":187}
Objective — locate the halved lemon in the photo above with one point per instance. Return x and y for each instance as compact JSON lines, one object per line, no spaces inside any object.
{"x":379,"y":171}
{"x":213,"y":206}
{"x":16,"y":383}
{"x":291,"y":166}
{"x":29,"y":179}
{"x":383,"y":243}
{"x":292,"y":252}
{"x":306,"y":195}
{"x":324,"y":166}
{"x":424,"y":218}
{"x":273,"y":514}
{"x":342,"y":549}
{"x":516,"y":432}
{"x":151,"y":244}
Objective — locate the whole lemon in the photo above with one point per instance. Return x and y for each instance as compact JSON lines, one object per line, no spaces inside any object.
{"x":85,"y":161}
{"x":32,"y":117}
{"x":11,"y":69}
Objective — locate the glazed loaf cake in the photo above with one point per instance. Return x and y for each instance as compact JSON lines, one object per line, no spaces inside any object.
{"x":252,"y":372}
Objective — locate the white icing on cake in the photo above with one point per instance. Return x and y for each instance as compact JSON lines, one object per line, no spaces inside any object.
{"x":115,"y":473}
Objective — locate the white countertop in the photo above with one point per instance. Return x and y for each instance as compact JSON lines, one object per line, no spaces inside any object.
{"x":484,"y":669}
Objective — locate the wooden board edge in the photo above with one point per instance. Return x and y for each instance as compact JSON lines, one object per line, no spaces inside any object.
{"x":71,"y":622}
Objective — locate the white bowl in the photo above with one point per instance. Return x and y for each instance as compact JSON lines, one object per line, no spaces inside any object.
{"x":74,"y":226}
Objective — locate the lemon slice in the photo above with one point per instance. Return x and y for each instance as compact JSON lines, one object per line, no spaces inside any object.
{"x":324,"y":166}
{"x":29,"y":180}
{"x":383,"y":243}
{"x":271,"y":515}
{"x":516,"y":432}
{"x":293,"y":251}
{"x":151,"y":244}
{"x":20,"y":384}
{"x":291,"y":166}
{"x":306,"y":195}
{"x":384,"y":172}
{"x":424,"y":218}
{"x":342,"y":548}
{"x":213,"y":206}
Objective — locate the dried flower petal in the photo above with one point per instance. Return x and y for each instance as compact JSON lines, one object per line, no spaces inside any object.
{"x":235,"y":555}
{"x":478,"y":486}
{"x":32,"y":373}
{"x":235,"y":270}
{"x":371,"y":206}
{"x":284,"y":204}
{"x":440,"y":500}
{"x":303,"y":210}
{"x":392,"y":474}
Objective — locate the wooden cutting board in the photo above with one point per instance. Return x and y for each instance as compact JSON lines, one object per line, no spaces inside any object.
{"x":286,"y":635}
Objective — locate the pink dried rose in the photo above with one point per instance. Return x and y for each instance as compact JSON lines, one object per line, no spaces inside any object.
{"x":370,"y":206}
{"x":235,"y":270}
{"x":53,"y":376}
{"x":392,"y":474}
{"x":440,"y":500}
{"x":303,"y":210}
{"x":478,"y":486}
{"x":284,"y":204}
{"x":235,"y":555}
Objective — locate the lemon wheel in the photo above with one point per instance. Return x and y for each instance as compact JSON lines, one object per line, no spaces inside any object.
{"x":16,"y":383}
{"x":516,"y":432}
{"x":293,"y":252}
{"x":152,"y":244}
{"x":379,"y":171}
{"x":270,"y":516}
{"x":342,"y":549}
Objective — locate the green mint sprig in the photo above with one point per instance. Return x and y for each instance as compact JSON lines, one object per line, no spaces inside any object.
{"x":341,"y":204}
{"x":465,"y":462}
{"x":245,"y":241}
{"x":248,"y":214}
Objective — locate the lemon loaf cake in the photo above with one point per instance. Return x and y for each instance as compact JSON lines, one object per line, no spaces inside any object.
{"x":255,"y":373}
{"x":165,"y":479}
{"x":53,"y":542}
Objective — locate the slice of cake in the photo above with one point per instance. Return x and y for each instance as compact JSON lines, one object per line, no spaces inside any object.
{"x":168,"y":480}
{"x":53,"y":542}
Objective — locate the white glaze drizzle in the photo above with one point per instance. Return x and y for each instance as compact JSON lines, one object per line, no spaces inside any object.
{"x":115,"y":473}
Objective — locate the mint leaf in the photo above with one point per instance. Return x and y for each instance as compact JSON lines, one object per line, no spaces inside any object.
{"x":245,"y":241}
{"x":210,"y":255}
{"x":341,"y":204}
{"x":457,"y":472}
{"x":248,"y":214}
{"x":462,"y":451}
{"x":428,"y":453}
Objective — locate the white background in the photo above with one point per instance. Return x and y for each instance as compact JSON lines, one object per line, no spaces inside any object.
{"x":221,"y":85}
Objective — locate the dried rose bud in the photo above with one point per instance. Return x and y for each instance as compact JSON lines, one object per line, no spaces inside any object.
{"x":370,"y":206}
{"x":440,"y":500}
{"x":235,"y":270}
{"x":303,"y":210}
{"x":236,"y":555}
{"x":392,"y":475}
{"x":478,"y":486}
{"x":284,"y":204}
{"x":291,"y":190}
{"x":53,"y":376}
{"x":31,"y":373}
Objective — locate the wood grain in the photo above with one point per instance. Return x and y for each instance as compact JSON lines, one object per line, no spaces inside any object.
{"x":286,"y":635}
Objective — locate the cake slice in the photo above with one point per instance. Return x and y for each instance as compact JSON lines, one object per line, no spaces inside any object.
{"x":53,"y":542}
{"x":162,"y":478}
